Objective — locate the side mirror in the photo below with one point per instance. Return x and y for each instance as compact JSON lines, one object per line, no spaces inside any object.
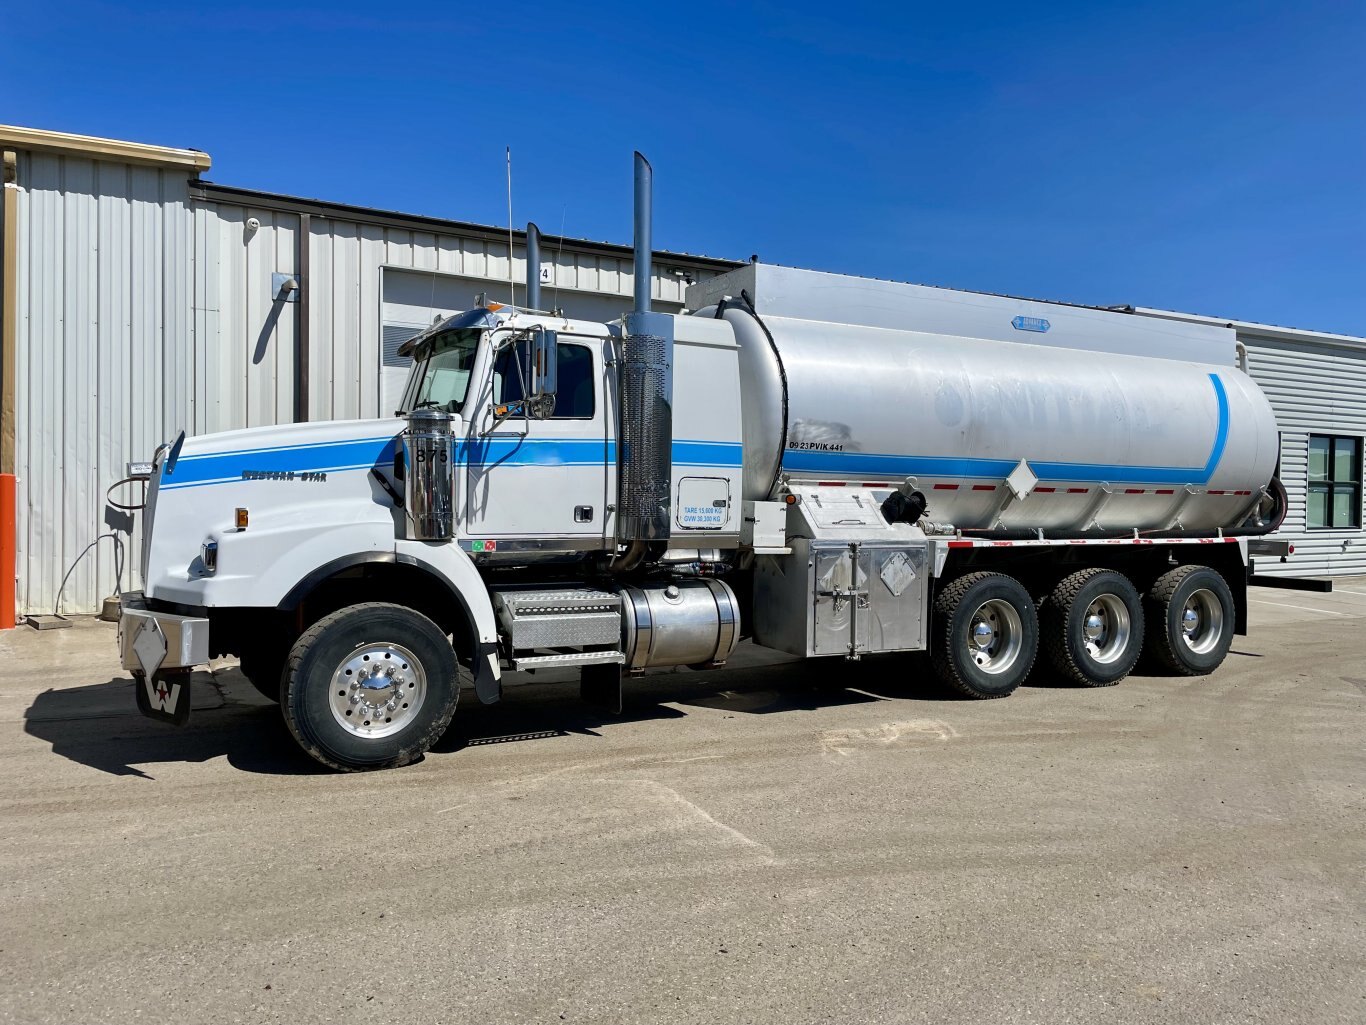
{"x":544,"y":374}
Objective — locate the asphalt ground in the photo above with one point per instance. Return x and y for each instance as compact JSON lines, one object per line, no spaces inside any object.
{"x":779,"y":842}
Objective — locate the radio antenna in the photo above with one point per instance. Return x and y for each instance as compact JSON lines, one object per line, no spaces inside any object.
{"x":512,"y":280}
{"x":555,"y":290}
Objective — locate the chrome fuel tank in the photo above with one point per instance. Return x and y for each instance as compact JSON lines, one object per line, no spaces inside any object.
{"x":1116,"y":442}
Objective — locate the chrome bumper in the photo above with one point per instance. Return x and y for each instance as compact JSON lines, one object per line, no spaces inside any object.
{"x":185,"y":638}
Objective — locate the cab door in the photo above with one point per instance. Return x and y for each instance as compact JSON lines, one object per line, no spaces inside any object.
{"x":541,"y":480}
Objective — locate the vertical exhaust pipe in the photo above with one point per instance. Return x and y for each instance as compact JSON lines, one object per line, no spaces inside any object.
{"x":533,"y":267}
{"x":645,"y":398}
{"x":644,"y":249}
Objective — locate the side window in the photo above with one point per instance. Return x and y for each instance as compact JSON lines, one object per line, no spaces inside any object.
{"x":574,"y":397}
{"x":574,"y":394}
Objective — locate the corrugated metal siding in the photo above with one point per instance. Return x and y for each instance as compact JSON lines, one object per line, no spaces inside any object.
{"x":345,"y":340}
{"x":244,"y":337}
{"x":1314,"y":389}
{"x":102,"y":362}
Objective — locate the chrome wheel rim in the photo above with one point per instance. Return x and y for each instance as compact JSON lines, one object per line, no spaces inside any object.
{"x":1202,"y":621}
{"x":1106,"y":629}
{"x":995,"y":636}
{"x":377,"y":690}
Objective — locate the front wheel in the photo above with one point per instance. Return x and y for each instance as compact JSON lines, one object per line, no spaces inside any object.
{"x":986,"y":634}
{"x":370,"y":686}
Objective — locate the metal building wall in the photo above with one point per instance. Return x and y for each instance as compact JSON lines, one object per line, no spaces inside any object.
{"x":1315,"y":388}
{"x":103,"y":361}
{"x":346,"y":260}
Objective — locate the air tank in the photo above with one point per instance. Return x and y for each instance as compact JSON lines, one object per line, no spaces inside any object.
{"x":1108,"y":442}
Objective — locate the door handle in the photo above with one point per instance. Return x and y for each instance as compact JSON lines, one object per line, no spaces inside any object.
{"x":583,"y":514}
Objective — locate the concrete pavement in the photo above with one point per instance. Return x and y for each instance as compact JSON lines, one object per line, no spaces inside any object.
{"x":782,"y":842}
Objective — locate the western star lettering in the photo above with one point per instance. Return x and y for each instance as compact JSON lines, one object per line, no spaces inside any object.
{"x":299,"y":475}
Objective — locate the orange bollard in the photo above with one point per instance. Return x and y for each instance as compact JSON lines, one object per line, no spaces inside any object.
{"x":7,"y":542}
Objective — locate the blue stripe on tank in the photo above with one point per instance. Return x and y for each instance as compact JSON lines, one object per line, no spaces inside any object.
{"x":858,"y":464}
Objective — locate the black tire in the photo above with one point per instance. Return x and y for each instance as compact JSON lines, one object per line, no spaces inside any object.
{"x":1167,"y":642}
{"x":265,"y":669}
{"x":967,"y":666}
{"x":419,"y":662}
{"x":1106,"y":657}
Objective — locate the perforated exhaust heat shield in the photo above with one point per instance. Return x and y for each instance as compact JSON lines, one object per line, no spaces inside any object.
{"x":645,"y":430}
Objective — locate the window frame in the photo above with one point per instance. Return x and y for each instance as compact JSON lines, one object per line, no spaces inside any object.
{"x":593,"y":376}
{"x":1330,"y":485}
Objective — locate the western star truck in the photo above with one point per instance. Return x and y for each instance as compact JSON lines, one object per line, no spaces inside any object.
{"x":645,"y":493}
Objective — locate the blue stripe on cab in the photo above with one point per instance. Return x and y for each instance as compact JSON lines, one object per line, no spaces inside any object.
{"x":362,"y":454}
{"x":217,"y":467}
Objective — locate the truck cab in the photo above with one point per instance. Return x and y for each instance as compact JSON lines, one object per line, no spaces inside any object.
{"x":483,"y":512}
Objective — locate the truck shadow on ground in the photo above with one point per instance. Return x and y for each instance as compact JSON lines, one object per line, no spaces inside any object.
{"x":537,"y":710}
{"x":96,"y":725}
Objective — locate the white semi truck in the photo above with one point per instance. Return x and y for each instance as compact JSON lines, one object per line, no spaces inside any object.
{"x":645,"y":493}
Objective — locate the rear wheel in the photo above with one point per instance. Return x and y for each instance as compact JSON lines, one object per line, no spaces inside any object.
{"x":1092,"y":627}
{"x":986,"y":634}
{"x":1190,"y":620}
{"x":370,"y":686}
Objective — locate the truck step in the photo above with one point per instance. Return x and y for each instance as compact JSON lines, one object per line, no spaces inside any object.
{"x":574,"y":658}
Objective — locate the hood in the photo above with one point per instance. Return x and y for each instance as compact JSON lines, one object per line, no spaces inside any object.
{"x":276,"y":453}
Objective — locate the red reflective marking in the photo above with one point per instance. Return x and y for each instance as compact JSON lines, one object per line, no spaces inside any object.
{"x":1046,"y":491}
{"x":830,"y":484}
{"x":1166,"y":491}
{"x":984,"y":487}
{"x":1077,"y":491}
{"x":946,"y":487}
{"x":960,"y":544}
{"x":1242,"y":492}
{"x":875,"y":484}
{"x":1216,"y":492}
{"x":1133,"y":491}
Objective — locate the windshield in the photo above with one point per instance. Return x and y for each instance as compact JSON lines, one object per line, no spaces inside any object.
{"x":441,"y":372}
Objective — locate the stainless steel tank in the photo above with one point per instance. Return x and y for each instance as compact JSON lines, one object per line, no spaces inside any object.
{"x":679,"y":623}
{"x":1116,"y":442}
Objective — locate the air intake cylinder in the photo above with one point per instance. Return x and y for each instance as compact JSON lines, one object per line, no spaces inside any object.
{"x":645,"y":402}
{"x":428,"y":476}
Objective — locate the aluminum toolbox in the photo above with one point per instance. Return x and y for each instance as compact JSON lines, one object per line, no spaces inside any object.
{"x":843,"y":598}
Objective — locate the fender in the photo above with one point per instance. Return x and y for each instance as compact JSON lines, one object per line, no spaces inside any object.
{"x":455,"y":570}
{"x":452,"y":565}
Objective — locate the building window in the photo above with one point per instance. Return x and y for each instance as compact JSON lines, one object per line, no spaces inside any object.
{"x":1334,"y":481}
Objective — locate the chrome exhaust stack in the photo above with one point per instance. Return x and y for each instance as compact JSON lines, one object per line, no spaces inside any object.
{"x":533,"y":267}
{"x":645,"y":396}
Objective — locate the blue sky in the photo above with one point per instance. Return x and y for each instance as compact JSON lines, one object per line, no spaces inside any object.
{"x":1207,"y":157}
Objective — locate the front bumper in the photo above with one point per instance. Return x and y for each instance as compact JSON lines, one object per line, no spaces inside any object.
{"x":159,"y":647}
{"x":185,"y":639}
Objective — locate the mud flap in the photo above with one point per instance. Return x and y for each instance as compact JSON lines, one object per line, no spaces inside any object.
{"x":164,"y":696}
{"x":486,"y":682}
{"x":600,"y":686}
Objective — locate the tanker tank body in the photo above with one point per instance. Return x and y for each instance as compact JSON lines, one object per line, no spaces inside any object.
{"x":1118,"y":443}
